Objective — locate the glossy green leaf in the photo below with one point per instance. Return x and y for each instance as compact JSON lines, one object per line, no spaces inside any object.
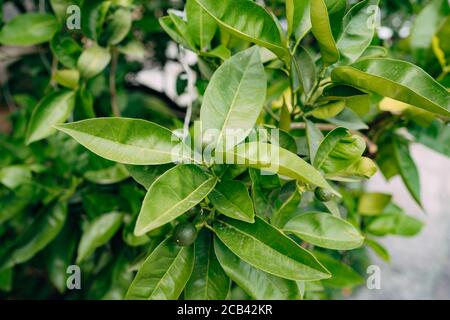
{"x":231,"y":198}
{"x":314,"y":137}
{"x":339,"y":150}
{"x":97,"y":233}
{"x":171,"y":195}
{"x":164,"y":274}
{"x":398,"y":80}
{"x":325,"y":230}
{"x":37,"y":236}
{"x":341,"y":92}
{"x":52,"y":110}
{"x":233,"y":100}
{"x":358,"y":30}
{"x":128,"y":141}
{"x":119,"y":26}
{"x":253,"y":23}
{"x":208,"y":280}
{"x":298,"y":14}
{"x":364,"y":168}
{"x":66,"y":50}
{"x":272,"y":158}
{"x":93,"y":14}
{"x":29,"y":29}
{"x":258,"y":284}
{"x":321,"y":29}
{"x":343,"y":276}
{"x":336,"y":13}
{"x":329,"y":110}
{"x":407,"y":169}
{"x":201,"y":26}
{"x":268,"y":249}
{"x":93,"y":61}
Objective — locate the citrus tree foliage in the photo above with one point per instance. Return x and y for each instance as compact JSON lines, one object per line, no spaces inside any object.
{"x":257,"y":191}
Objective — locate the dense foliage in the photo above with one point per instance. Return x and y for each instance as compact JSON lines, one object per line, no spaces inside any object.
{"x":248,"y":181}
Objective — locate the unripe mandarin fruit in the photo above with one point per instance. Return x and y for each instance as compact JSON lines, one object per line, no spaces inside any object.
{"x":323,"y":194}
{"x":184,"y":234}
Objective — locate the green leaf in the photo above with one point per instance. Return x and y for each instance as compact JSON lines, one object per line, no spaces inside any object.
{"x":201,"y":26}
{"x":394,"y":224}
{"x":256,"y":283}
{"x":66,"y":50}
{"x":208,"y":280}
{"x":343,"y":276}
{"x":171,"y":195}
{"x":97,"y":233}
{"x":14,"y":176}
{"x":358,"y":30}
{"x":169,"y":26}
{"x":339,"y":150}
{"x":290,"y":197}
{"x":426,"y":25}
{"x":329,"y":110}
{"x":93,"y":14}
{"x":119,"y":26}
{"x":128,"y":141}
{"x":321,"y":29}
{"x":348,"y":119}
{"x":15,"y":202}
{"x":93,"y":61}
{"x":336,"y":13}
{"x":231,"y":198}
{"x":60,"y":8}
{"x":164,"y":274}
{"x":61,"y":254}
{"x":146,"y":175}
{"x":6,"y":279}
{"x":233,"y":100}
{"x":68,"y":78}
{"x":435,"y":136}
{"x":253,"y":23}
{"x":28,"y":29}
{"x":110,"y":175}
{"x":298,"y":14}
{"x":373,"y":203}
{"x":364,"y":168}
{"x":314,"y":137}
{"x":407,"y":169}
{"x":325,"y":230}
{"x":398,"y":80}
{"x":37,"y":236}
{"x":268,"y":249}
{"x":378,"y":249}
{"x":272,"y":158}
{"x":304,"y":71}
{"x":52,"y":110}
